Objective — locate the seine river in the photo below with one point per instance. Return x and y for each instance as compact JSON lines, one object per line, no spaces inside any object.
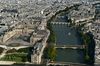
{"x":67,"y":36}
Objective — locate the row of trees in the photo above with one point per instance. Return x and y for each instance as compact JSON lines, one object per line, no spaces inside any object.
{"x":52,"y":37}
{"x":89,"y":43}
{"x":89,"y":47}
{"x":50,"y":51}
{"x":15,"y":57}
{"x":22,"y":50}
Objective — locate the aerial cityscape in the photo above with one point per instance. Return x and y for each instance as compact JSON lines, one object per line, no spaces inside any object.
{"x":50,"y":32}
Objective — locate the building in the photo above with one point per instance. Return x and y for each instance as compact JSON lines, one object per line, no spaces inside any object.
{"x":36,"y":56}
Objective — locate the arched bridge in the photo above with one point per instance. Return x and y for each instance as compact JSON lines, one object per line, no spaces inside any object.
{"x":70,"y":46}
{"x":64,"y":23}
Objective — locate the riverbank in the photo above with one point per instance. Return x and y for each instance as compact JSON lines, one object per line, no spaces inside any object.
{"x":50,"y":51}
{"x":88,"y":41}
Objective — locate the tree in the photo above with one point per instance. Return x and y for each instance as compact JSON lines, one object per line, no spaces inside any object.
{"x":52,"y":53}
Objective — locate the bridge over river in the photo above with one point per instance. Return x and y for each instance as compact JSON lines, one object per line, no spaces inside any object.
{"x":70,"y":46}
{"x":65,"y":64}
{"x":62,"y":23}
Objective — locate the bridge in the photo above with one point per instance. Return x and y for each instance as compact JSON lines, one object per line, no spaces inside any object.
{"x":63,"y":23}
{"x":65,"y":64}
{"x":70,"y":46}
{"x":95,"y":2}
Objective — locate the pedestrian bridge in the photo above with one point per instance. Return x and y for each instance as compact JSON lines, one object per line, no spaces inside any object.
{"x":70,"y":46}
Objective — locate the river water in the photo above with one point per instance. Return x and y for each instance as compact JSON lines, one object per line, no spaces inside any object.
{"x":67,"y":36}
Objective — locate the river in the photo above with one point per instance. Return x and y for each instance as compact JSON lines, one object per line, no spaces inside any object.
{"x":67,"y":36}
